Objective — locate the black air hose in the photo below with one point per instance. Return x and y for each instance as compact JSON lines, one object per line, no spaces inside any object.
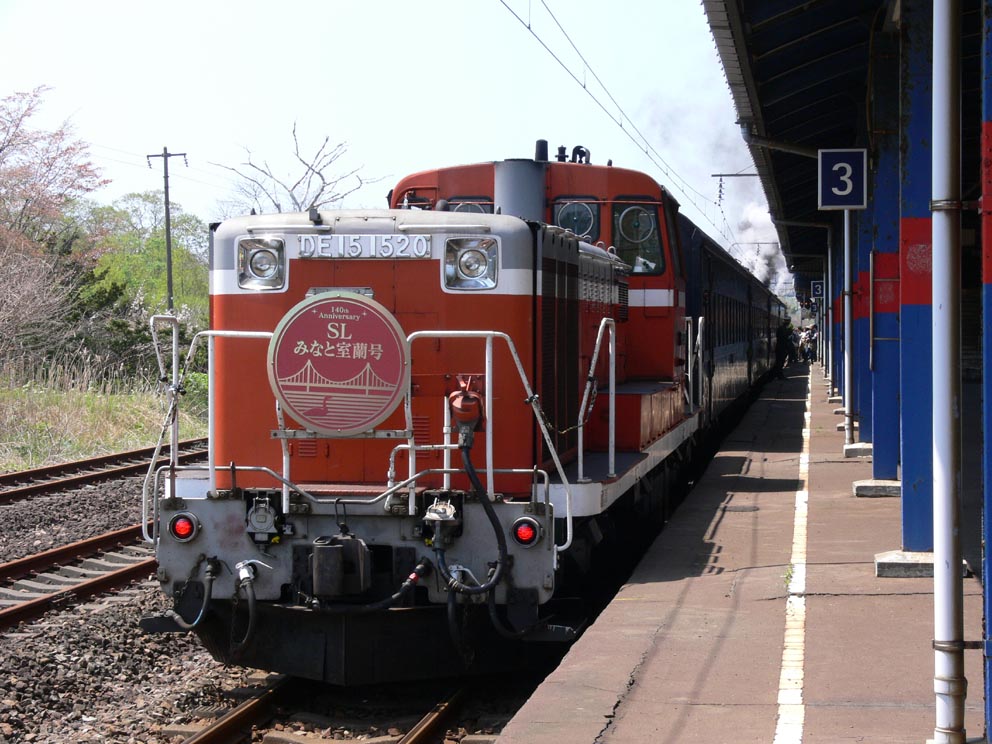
{"x":487,"y":506}
{"x":498,"y":623}
{"x":209,"y":574}
{"x":422,"y":569}
{"x":248,"y":585}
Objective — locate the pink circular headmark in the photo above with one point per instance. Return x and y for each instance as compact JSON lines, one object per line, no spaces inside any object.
{"x":339,"y":363}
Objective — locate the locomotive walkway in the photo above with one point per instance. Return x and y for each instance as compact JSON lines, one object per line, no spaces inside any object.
{"x":757,"y":616}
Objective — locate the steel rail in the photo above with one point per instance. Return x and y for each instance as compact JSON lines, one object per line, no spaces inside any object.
{"x":427,"y":728}
{"x":74,"y":551}
{"x":47,"y":471}
{"x":235,"y":726}
{"x":38,"y":606}
{"x":15,"y":492}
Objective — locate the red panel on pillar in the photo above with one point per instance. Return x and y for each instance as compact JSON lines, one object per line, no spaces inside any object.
{"x":915,"y":248}
{"x":886,"y":282}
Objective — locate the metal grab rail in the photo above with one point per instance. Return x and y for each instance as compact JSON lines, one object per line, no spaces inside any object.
{"x":359,"y":502}
{"x":700,"y":359}
{"x":531,"y":398}
{"x":172,"y":419}
{"x":590,"y":381}
{"x":690,"y":351}
{"x":337,"y":500}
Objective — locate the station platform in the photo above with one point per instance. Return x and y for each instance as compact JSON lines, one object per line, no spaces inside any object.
{"x":757,"y":616}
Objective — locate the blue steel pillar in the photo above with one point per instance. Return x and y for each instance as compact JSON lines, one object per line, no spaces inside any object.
{"x":862,"y":242}
{"x":837,"y":303}
{"x":915,"y":292}
{"x":986,"y":227}
{"x":884,"y":321}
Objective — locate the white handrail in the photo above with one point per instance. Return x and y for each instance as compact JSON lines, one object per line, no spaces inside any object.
{"x":531,"y":398}
{"x":172,"y":418}
{"x":590,"y":381}
{"x":690,"y":351}
{"x":700,"y":352}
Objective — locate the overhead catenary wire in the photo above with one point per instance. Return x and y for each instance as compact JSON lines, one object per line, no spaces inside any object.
{"x":686,"y":189}
{"x":139,"y":162}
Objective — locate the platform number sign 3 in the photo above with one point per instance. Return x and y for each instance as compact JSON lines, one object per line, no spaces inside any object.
{"x":842,"y":181}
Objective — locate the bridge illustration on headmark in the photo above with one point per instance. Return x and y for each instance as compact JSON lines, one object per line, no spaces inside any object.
{"x":309,"y":379}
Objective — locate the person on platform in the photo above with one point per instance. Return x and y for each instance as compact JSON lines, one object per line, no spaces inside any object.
{"x":811,"y":346}
{"x":783,"y":345}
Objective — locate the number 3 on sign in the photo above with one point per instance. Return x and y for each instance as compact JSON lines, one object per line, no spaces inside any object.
{"x":846,"y":178}
{"x":842,"y":179}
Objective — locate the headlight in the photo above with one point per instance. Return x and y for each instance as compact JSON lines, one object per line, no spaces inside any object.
{"x":261,"y":263}
{"x":470,"y":263}
{"x":264,"y":264}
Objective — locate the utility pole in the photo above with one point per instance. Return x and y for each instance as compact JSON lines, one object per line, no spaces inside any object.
{"x":174,"y":389}
{"x":165,"y":155}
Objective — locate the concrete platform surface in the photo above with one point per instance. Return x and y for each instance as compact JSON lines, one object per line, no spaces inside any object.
{"x":756,"y":616}
{"x":875,"y":488}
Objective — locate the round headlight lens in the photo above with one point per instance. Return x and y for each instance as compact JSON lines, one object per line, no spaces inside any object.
{"x":473,"y":263}
{"x":264,"y":264}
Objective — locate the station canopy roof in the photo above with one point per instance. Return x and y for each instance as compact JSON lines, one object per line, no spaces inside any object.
{"x":798,"y":72}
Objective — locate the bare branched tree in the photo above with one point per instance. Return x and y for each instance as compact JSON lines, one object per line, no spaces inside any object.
{"x":261,"y":188}
{"x":43,"y":175}
{"x":33,"y":299}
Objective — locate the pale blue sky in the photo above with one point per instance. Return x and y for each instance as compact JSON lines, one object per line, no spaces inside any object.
{"x":406,"y":85}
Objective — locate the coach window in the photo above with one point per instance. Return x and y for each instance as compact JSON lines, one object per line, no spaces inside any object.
{"x":580,"y":214}
{"x":636,"y":237}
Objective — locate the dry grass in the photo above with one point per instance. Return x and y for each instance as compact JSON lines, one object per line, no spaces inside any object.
{"x":67,"y":415}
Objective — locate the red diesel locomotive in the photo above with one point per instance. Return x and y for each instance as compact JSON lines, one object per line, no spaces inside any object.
{"x":427,"y":421}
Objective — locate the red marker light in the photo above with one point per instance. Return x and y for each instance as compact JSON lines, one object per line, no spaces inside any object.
{"x":183,"y":527}
{"x":526,"y":531}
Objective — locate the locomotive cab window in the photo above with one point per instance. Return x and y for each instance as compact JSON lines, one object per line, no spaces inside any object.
{"x":471,"y":204}
{"x":671,"y":222}
{"x":636,"y":237}
{"x":578,"y":214}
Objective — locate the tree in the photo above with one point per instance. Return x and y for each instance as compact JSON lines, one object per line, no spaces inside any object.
{"x":260,"y":187}
{"x":42,"y":176}
{"x":131,"y":257}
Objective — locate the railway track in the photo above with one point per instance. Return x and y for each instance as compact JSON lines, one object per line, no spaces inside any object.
{"x":36,"y":584}
{"x":237,"y":724}
{"x":24,"y":483}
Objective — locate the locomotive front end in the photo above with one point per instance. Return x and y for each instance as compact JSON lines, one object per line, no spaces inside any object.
{"x":371,"y":496}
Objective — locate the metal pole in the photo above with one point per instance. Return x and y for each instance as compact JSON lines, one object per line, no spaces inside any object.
{"x":174,"y":451}
{"x":949,"y":681}
{"x":168,"y":233}
{"x":829,"y":325}
{"x":170,"y":298}
{"x":848,"y":334}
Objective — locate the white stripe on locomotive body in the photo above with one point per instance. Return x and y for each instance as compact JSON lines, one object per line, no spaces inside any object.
{"x":512,"y":282}
{"x":654,"y":298}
